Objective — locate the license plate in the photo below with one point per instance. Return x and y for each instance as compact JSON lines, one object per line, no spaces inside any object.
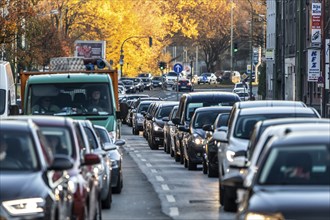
{"x":183,"y":87}
{"x":199,"y":154}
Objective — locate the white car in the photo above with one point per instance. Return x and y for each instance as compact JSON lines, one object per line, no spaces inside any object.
{"x":241,"y":85}
{"x":207,"y":78}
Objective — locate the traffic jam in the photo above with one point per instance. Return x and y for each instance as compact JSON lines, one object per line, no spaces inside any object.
{"x":164,"y":110}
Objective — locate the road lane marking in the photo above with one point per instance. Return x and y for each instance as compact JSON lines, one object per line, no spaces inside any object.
{"x":144,"y":160}
{"x":170,"y":198}
{"x":174,"y":211}
{"x":154,"y":171}
{"x":159,"y":178}
{"x":148,"y":165}
{"x":138,"y":155}
{"x":165,"y":187}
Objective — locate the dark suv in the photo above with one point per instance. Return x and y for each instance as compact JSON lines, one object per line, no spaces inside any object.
{"x":156,"y":133}
{"x":189,"y":102}
{"x":194,"y":138}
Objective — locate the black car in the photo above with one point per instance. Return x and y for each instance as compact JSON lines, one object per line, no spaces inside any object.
{"x":138,"y":117}
{"x":169,"y":131}
{"x":157,"y":81}
{"x":147,"y":83}
{"x":210,"y":151}
{"x":292,"y":181}
{"x":194,"y":138}
{"x":156,"y":133}
{"x":183,"y":85}
{"x":30,"y":175}
{"x":129,"y":86}
{"x":189,"y":102}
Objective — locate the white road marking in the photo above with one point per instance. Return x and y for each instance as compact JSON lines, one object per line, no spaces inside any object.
{"x":159,"y":178}
{"x":174,"y":211}
{"x":144,"y":160}
{"x":138,"y":155}
{"x":170,"y":198}
{"x":154,"y":171}
{"x":165,"y":187}
{"x":148,"y":165}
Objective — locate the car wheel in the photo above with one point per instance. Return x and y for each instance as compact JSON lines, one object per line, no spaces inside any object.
{"x":117,"y":189}
{"x":229,"y":202}
{"x":98,"y":214}
{"x":221,"y":192}
{"x":106,"y":204}
{"x":135,"y":131}
{"x":211,"y":172}
{"x":191,"y":165}
{"x":185,"y":162}
{"x":177,"y":157}
{"x":204,"y":167}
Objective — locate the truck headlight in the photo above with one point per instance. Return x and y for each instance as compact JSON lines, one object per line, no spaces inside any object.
{"x":24,"y":206}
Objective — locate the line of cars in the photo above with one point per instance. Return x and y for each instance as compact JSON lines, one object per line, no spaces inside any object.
{"x":272,"y":157}
{"x":57,"y":168}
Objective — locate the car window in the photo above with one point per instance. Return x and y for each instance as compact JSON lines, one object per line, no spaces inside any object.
{"x":287,"y":165}
{"x":59,"y":139}
{"x":164,"y":111}
{"x":204,"y":118}
{"x":91,"y":138}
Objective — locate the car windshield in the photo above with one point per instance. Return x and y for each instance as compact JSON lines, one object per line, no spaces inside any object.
{"x":103,"y":135}
{"x":60,"y":140}
{"x":70,"y":99}
{"x":204,"y":118}
{"x":164,"y":111}
{"x":20,"y":152}
{"x":172,"y":74}
{"x":157,"y":78}
{"x":143,"y":107}
{"x":296,"y":165}
{"x":245,"y":124}
{"x":223,"y":121}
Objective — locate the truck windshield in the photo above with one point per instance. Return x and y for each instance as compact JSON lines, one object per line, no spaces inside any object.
{"x":70,"y":99}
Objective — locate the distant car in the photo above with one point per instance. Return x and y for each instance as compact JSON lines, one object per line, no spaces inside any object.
{"x":244,"y":96}
{"x":145,"y":75}
{"x":115,"y":155}
{"x":147,"y":83}
{"x":242,"y":85}
{"x":157,"y":81}
{"x":30,"y":175}
{"x":139,"y":84}
{"x":129,"y":86}
{"x":207,"y":78}
{"x":184,"y":85}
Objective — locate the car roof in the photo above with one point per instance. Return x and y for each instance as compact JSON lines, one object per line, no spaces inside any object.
{"x":280,"y":121}
{"x":209,"y":95}
{"x":277,"y":110}
{"x":265,"y":103}
{"x":14,"y":125}
{"x":213,"y":108}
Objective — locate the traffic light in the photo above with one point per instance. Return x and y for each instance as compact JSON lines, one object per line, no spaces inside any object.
{"x":235,"y":47}
{"x":150,"y":41}
{"x":162,"y":65}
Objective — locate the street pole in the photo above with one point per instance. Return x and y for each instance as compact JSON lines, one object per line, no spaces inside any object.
{"x":121,"y":60}
{"x":231,"y":36}
{"x":251,"y":47}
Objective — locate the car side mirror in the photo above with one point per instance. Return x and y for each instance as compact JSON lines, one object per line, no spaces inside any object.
{"x":235,"y":180}
{"x":120,"y":142}
{"x":91,"y":159}
{"x":207,"y":127}
{"x":183,"y":128}
{"x":143,"y":113}
{"x":134,"y":110}
{"x":220,"y":136}
{"x":176,"y":121}
{"x":239,"y":162}
{"x":61,"y":162}
{"x":109,"y":146}
{"x":166,"y":119}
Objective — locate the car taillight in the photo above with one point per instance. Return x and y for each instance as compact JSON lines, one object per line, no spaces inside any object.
{"x":179,"y":83}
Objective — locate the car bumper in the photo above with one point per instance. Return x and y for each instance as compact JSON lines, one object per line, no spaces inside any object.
{"x":195,"y":153}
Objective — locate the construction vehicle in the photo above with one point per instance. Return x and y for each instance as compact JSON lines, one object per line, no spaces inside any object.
{"x":68,"y":87}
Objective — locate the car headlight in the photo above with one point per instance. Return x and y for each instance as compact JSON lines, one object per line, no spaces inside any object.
{"x":230,"y":155}
{"x":157,"y":128}
{"x":198,"y":140}
{"x":259,"y":216}
{"x":24,"y":206}
{"x":72,"y":185}
{"x":114,"y":163}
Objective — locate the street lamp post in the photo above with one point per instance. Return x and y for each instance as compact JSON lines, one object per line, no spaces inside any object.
{"x":251,"y":47}
{"x":121,"y":60}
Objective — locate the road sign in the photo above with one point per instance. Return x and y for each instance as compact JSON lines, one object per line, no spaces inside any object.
{"x":320,"y":79}
{"x":177,"y":68}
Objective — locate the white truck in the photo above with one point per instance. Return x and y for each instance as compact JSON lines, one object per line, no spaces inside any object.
{"x":8,"y":104}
